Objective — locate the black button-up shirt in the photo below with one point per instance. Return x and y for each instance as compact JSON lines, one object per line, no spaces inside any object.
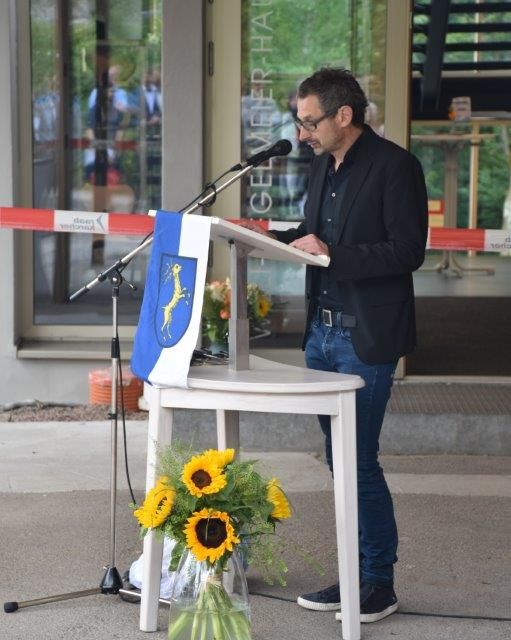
{"x":328,"y":295}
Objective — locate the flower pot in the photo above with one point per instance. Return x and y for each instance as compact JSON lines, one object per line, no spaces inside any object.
{"x":100,"y":388}
{"x":209,"y":602}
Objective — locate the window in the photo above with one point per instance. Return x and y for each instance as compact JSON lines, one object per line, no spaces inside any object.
{"x":96,"y":140}
{"x":283,"y":42}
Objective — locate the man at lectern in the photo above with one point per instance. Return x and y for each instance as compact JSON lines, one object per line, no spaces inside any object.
{"x":366,"y":209}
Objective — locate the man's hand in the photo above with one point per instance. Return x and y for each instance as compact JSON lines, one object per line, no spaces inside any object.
{"x":253,"y":226}
{"x":311,"y":244}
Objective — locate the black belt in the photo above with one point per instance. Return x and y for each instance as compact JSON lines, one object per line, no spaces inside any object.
{"x":331,"y":318}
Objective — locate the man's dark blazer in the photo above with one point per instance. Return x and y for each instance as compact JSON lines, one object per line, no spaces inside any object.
{"x":382,"y":239}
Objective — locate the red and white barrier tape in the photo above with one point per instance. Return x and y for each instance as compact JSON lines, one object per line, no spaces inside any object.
{"x":468,"y":239}
{"x":140,"y":224}
{"x":75,"y":221}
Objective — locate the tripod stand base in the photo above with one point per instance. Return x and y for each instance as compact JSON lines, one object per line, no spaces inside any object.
{"x":11,"y":607}
{"x":450,"y":266}
{"x":111,"y":582}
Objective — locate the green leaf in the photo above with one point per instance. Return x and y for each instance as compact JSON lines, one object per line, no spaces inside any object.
{"x":175,"y":557}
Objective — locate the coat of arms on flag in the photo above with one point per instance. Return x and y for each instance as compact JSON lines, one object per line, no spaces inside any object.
{"x":170,"y":317}
{"x":175,"y":302}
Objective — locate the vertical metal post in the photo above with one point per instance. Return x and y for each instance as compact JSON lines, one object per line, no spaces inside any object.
{"x":112,"y":582}
{"x":473,"y":184}
{"x":451,"y":168}
{"x":62,"y":150}
{"x":238,"y":322}
{"x":113,"y":426}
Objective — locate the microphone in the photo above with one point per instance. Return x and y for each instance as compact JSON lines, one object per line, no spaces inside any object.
{"x":280,"y":148}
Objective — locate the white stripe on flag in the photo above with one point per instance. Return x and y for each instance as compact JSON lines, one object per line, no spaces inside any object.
{"x":171,"y":368}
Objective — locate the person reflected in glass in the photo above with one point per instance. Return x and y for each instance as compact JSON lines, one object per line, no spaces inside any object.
{"x":296,"y":162}
{"x":373,"y":119}
{"x":146,"y":103}
{"x":107,"y":120}
{"x":261,"y":118}
{"x":147,"y":108}
{"x":106,"y":123}
{"x":367,"y":211}
{"x":45,"y":129}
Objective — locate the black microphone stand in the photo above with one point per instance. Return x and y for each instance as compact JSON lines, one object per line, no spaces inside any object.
{"x":112,"y":582}
{"x":124,"y":261}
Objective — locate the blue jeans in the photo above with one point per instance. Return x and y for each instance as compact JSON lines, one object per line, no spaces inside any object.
{"x":331,"y":349}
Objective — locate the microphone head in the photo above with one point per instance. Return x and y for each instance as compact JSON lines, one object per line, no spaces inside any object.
{"x":282,"y":147}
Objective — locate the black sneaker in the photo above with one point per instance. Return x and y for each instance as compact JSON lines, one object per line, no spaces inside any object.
{"x":127,"y":586}
{"x":328,"y":599}
{"x":377,"y":601}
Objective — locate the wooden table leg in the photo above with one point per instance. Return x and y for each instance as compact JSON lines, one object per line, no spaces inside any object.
{"x":159,"y":433}
{"x":228,"y":429}
{"x":344,"y":451}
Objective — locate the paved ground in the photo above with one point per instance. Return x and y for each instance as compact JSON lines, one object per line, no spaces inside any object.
{"x":454,"y":514}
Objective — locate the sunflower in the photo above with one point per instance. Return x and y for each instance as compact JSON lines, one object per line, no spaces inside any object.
{"x":276,"y":497}
{"x":223,"y":458}
{"x":264,"y":306}
{"x":202,"y":475}
{"x":162,"y":483}
{"x":209,"y":534}
{"x":157,"y":505}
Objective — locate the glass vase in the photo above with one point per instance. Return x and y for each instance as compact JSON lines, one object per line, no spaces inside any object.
{"x":209,"y":602}
{"x":219,"y":347}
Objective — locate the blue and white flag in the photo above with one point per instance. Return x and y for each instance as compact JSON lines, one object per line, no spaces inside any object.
{"x":170,"y":318}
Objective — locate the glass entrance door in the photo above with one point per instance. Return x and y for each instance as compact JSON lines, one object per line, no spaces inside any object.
{"x":96,"y":140}
{"x":282,"y":42}
{"x":461,"y":132}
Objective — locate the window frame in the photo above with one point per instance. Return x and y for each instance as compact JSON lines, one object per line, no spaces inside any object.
{"x":182,"y":175}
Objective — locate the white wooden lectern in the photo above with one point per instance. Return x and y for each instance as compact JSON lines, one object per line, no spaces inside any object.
{"x":250,"y":383}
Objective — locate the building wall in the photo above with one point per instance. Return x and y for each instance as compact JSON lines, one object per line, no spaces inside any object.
{"x":7,"y":178}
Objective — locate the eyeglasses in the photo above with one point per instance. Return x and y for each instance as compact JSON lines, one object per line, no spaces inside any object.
{"x":312,"y":125}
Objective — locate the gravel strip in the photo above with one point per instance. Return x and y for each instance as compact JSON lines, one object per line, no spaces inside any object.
{"x":42,"y":412}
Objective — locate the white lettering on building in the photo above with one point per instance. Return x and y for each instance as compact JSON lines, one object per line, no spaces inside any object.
{"x":258,"y":118}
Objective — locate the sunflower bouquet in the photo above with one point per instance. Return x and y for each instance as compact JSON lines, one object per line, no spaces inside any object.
{"x":212,"y":506}
{"x":216,"y":309}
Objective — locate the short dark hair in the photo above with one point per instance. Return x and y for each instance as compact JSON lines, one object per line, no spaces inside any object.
{"x":335,"y":88}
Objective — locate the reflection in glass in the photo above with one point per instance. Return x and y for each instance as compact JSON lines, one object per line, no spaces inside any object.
{"x":109,"y":137}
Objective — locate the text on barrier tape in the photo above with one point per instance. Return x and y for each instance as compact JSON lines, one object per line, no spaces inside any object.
{"x":75,"y":221}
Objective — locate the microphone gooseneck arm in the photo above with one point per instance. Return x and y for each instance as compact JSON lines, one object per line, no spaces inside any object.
{"x":122,"y":262}
{"x":280,"y":148}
